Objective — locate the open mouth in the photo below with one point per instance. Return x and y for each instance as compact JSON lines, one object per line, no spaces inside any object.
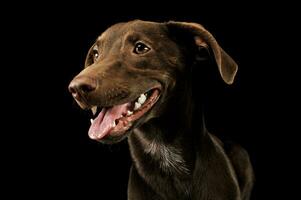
{"x":116,"y":120}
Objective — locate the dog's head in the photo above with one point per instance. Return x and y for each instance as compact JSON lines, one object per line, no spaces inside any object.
{"x":131,"y":71}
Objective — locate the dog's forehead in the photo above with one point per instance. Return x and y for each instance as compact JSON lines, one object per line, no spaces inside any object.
{"x":147,"y":27}
{"x":111,"y":31}
{"x":136,"y":26}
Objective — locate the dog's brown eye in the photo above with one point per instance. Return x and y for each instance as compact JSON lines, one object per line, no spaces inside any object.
{"x":95,"y":53}
{"x":141,"y":48}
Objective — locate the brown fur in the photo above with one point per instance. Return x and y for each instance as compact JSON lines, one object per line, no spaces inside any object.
{"x":174,"y":156}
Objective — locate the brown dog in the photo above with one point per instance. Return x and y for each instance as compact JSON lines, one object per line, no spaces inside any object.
{"x":137,"y":81}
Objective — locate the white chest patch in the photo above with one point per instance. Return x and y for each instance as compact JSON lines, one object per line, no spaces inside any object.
{"x":169,"y":157}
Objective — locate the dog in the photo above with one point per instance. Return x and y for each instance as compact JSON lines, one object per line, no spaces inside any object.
{"x":137,"y":83}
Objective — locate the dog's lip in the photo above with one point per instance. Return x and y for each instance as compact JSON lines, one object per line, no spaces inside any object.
{"x":96,"y":108}
{"x":108,"y":122}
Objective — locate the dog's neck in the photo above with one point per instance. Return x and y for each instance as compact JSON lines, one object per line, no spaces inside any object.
{"x":165,"y":138}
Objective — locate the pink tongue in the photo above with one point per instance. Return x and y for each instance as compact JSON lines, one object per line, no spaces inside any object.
{"x":103,"y":123}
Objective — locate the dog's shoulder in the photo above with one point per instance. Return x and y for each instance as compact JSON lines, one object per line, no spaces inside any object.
{"x":240,"y":162}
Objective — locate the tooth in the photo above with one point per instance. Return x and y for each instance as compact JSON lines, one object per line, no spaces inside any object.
{"x":137,"y":105}
{"x":94,"y":109}
{"x":142,"y":99}
{"x":129,"y":113}
{"x":91,"y":120}
{"x":113,"y":124}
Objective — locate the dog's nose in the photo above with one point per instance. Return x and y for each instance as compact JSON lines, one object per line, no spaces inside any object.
{"x":81,"y":86}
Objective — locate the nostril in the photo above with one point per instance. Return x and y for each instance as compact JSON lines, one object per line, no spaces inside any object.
{"x":82,"y":86}
{"x":72,"y":89}
{"x":86,"y":88}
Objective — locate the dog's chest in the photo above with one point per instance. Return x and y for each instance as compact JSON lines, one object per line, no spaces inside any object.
{"x":163,"y":164}
{"x":167,"y":158}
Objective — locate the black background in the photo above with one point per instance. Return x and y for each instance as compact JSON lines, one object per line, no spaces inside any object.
{"x":46,"y":149}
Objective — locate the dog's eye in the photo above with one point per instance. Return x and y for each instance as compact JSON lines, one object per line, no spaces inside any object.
{"x":141,"y":48}
{"x":95,"y":53}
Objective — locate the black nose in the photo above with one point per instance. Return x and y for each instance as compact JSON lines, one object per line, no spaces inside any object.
{"x":82,"y":86}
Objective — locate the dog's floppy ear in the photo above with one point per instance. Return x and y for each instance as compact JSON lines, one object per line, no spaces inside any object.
{"x":226,"y":65}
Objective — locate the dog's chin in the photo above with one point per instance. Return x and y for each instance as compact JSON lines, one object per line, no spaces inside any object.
{"x":115,"y":123}
{"x":112,"y":139}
